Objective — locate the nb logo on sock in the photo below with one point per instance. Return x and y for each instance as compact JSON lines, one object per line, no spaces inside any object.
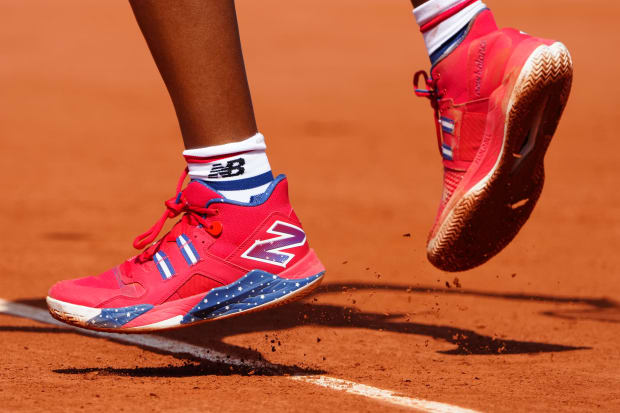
{"x":232,"y":168}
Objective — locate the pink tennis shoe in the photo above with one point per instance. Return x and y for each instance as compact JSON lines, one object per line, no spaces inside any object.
{"x":222,"y":258}
{"x":498,"y":98}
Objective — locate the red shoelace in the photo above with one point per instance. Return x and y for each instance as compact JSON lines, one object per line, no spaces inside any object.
{"x":193,"y":215}
{"x":431,"y":94}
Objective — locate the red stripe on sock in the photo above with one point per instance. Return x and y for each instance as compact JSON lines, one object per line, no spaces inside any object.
{"x":201,"y":159}
{"x":445,"y":15}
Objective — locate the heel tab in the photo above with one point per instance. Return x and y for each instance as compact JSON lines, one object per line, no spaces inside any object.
{"x":278,"y":185}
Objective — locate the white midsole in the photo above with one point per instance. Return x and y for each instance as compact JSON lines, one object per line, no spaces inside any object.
{"x":160,"y":325}
{"x":76,"y":313}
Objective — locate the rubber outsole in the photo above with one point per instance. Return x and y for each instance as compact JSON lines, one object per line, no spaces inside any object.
{"x":106,"y":319}
{"x":488,"y":217}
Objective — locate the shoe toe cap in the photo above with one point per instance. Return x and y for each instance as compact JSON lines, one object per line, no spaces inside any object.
{"x":87,"y":291}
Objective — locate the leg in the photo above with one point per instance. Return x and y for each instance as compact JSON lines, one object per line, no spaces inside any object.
{"x":197,"y":50}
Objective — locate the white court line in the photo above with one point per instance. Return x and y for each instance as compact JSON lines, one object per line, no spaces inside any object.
{"x":178,"y":347}
{"x":379,"y":394}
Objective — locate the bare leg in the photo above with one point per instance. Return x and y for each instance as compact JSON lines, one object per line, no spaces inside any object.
{"x":196,"y":47}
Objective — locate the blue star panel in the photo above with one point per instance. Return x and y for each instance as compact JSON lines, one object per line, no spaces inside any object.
{"x":254,"y":289}
{"x":118,"y":317}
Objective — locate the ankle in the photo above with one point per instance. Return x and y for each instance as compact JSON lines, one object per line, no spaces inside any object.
{"x":238,"y":170}
{"x":445,"y":23}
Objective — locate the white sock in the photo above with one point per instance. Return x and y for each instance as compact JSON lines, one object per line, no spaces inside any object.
{"x":441,"y":20}
{"x":237,"y":170}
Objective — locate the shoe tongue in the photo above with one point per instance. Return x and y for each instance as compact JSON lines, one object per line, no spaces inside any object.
{"x":198,"y":193}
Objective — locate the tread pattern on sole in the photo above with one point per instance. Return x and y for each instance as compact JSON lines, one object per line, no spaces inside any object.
{"x":485,"y":220}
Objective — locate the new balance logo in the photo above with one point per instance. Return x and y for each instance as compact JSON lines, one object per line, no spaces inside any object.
{"x":232,"y":168}
{"x":479,"y":68}
{"x":271,"y":251}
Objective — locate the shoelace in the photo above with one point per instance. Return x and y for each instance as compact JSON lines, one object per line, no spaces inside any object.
{"x":192,"y":215}
{"x":431,"y":85}
{"x":432,"y":94}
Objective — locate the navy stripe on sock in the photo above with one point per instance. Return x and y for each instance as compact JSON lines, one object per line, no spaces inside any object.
{"x":241,"y":184}
{"x":460,"y":35}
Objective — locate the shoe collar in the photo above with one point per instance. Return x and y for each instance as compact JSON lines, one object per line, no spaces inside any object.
{"x":200,"y":193}
{"x":481,"y":24}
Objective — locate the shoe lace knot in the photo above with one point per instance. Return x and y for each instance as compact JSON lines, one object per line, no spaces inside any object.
{"x":193,"y":215}
{"x":431,"y":88}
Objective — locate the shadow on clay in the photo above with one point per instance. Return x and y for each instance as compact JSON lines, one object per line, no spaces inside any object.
{"x":467,"y":342}
{"x":309,"y":312}
{"x":593,"y":309}
{"x":191,"y":369}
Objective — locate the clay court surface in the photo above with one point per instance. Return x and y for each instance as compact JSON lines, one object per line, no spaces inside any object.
{"x":91,"y":149}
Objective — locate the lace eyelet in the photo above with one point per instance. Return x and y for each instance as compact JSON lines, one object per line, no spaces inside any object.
{"x":215,"y":228}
